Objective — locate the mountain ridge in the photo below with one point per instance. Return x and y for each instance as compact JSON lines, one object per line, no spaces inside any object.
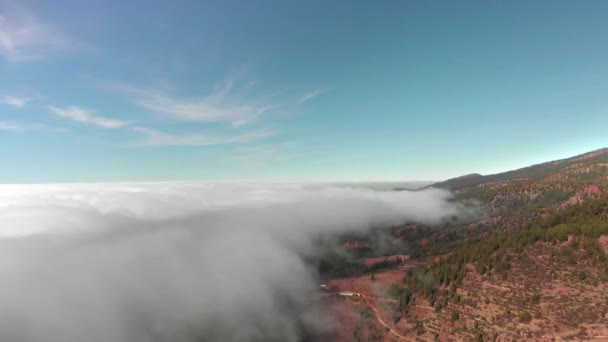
{"x":525,"y":173}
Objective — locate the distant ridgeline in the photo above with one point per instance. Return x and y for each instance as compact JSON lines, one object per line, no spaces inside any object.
{"x":579,"y":167}
{"x":516,"y":198}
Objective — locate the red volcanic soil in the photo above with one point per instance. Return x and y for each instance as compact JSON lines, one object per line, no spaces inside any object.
{"x":354,"y":316}
{"x":593,"y":191}
{"x":345,"y":315}
{"x":402,"y":233}
{"x":604,"y":242}
{"x":349,"y":311}
{"x":354,"y":245}
{"x":372,"y":261}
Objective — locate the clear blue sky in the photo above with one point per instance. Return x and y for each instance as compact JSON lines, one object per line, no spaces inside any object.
{"x":307,"y":90}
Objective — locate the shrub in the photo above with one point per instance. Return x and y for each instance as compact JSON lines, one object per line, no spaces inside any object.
{"x":525,"y":317}
{"x":582,"y":275}
{"x":420,"y":328}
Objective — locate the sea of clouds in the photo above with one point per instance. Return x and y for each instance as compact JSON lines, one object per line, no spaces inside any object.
{"x":180,"y":261}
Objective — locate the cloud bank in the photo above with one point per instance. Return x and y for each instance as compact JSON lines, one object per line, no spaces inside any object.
{"x":179,"y":262}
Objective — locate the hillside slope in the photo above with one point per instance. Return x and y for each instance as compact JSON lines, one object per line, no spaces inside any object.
{"x":513,"y":199}
{"x":532,"y":266}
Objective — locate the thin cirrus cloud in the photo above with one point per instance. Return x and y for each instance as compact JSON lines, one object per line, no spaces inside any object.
{"x":152,"y":137}
{"x":226,"y":103}
{"x":311,"y":95}
{"x":20,"y":127}
{"x":87,"y":116}
{"x":14,"y":101}
{"x":24,"y":37}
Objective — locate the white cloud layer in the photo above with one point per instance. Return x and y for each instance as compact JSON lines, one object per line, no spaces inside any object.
{"x":153,"y":137}
{"x":87,"y":116}
{"x":179,"y":262}
{"x":24,"y":37}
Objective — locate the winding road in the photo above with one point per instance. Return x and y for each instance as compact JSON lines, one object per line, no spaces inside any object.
{"x":379,"y":317}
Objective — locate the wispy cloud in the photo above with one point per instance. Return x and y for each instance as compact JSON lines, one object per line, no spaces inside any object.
{"x":251,"y":84}
{"x":21,"y":127}
{"x":153,"y":137}
{"x":24,"y":37}
{"x":87,"y":116}
{"x":227,"y":103}
{"x":15,"y":101}
{"x":11,"y":126}
{"x":311,"y":95}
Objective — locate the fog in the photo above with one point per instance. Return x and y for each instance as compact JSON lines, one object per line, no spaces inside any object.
{"x":180,"y":262}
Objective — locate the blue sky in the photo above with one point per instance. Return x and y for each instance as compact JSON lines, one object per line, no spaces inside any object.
{"x":308,"y":90}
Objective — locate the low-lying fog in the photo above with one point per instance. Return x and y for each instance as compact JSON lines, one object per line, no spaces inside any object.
{"x":179,"y":262}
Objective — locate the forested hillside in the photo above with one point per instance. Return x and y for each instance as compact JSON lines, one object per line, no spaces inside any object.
{"x":531,"y":265}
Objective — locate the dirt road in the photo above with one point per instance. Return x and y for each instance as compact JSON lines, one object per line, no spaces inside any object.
{"x":379,"y":317}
